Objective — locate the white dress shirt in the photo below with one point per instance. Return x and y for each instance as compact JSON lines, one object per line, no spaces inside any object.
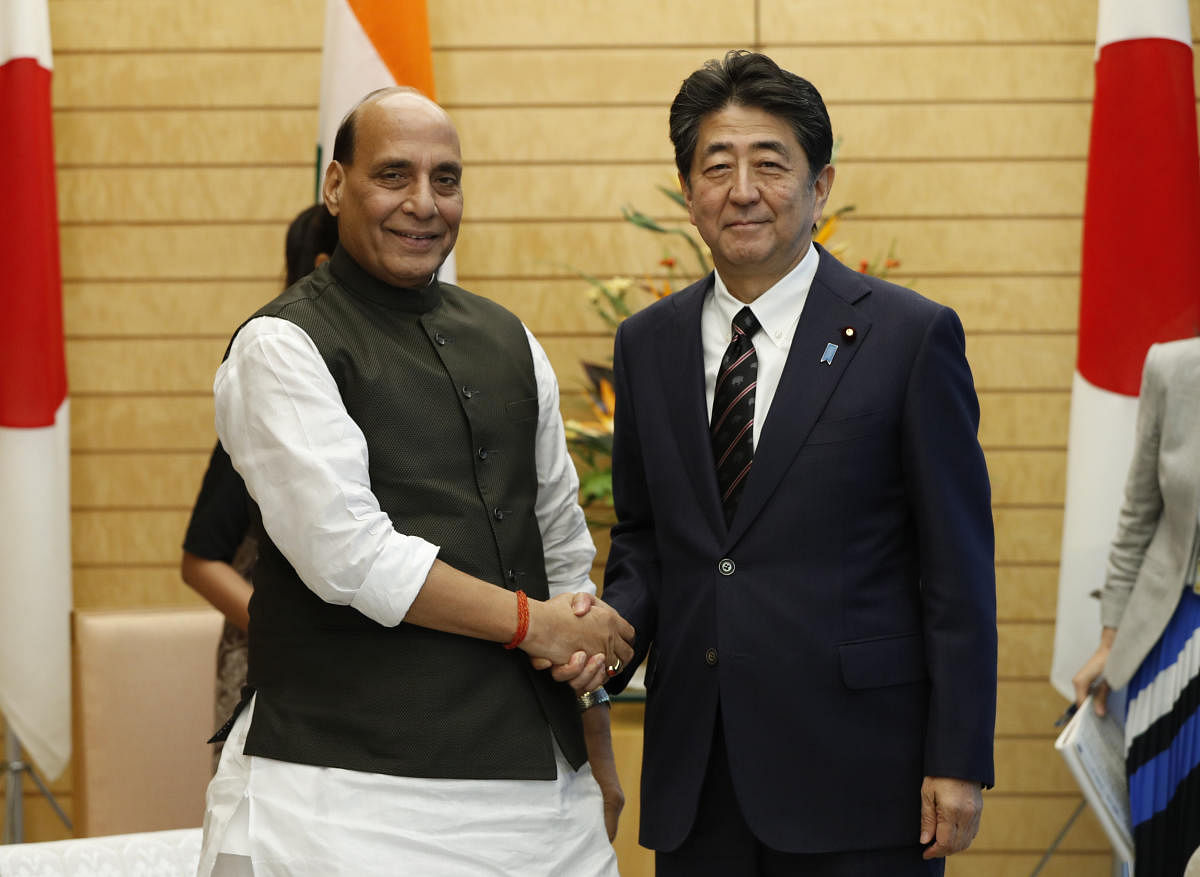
{"x":777,"y":311}
{"x":304,"y":460}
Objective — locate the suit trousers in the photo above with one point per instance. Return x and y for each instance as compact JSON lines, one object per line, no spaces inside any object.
{"x":721,"y":844}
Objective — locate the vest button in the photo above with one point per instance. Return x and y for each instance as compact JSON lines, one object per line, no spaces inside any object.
{"x":710,"y":657}
{"x":467,"y":391}
{"x":726,"y":566}
{"x":498,"y":514}
{"x":440,"y":339}
{"x":482,"y":453}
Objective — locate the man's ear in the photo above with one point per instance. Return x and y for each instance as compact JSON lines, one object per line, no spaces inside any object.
{"x":822,"y":186}
{"x":331,"y":189}
{"x":686,"y":189}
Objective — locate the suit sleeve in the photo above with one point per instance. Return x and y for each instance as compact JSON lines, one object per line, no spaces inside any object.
{"x":948,"y":486}
{"x":633,"y":571}
{"x":1143,"y":502}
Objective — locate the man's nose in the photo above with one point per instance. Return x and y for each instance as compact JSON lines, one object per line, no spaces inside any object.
{"x":420,"y":203}
{"x":745,"y":190}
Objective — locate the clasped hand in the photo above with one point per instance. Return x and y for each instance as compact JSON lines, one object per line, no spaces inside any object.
{"x":579,"y":636}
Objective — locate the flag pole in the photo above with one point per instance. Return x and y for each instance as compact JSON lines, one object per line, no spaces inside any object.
{"x":14,"y":802}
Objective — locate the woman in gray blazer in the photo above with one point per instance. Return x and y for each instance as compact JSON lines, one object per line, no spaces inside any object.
{"x":1150,"y":610}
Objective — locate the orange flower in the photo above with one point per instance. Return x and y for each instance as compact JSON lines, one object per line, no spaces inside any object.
{"x":667,"y":262}
{"x":892,"y":263}
{"x":825,"y":232}
{"x":863,"y":266}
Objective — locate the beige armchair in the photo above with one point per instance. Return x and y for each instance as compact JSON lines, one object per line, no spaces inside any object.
{"x":143,"y":711}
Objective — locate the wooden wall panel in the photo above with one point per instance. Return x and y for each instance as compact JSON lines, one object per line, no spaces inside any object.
{"x":1024,"y":420}
{"x":187,"y":25}
{"x":152,"y":81}
{"x":885,"y":21}
{"x":149,"y":423}
{"x":120,"y":252}
{"x":262,"y":136}
{"x":164,"y":307}
{"x":128,"y":537}
{"x":1026,"y":591}
{"x":183,"y":194}
{"x":1064,"y":863}
{"x":652,"y":23}
{"x":1025,"y":650}
{"x":1027,"y":476}
{"x":136,"y":480}
{"x":132,"y":587}
{"x":1027,"y":534}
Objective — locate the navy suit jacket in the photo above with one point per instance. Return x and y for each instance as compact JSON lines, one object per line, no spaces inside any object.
{"x":845,"y":622}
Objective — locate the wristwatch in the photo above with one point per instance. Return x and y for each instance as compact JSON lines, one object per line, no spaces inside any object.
{"x":589,"y":699}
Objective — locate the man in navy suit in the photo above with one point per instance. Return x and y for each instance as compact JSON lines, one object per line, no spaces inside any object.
{"x":804,"y":538}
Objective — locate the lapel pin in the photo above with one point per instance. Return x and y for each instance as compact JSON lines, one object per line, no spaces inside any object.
{"x":830,"y":350}
{"x":849,"y":334}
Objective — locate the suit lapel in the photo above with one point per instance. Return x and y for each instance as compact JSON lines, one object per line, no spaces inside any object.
{"x":806,"y":383}
{"x":681,"y":373}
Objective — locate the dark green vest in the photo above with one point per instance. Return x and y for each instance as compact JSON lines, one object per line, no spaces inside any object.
{"x":441,"y":383}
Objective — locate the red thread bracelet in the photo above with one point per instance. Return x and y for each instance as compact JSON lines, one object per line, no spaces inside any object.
{"x":522,"y":620}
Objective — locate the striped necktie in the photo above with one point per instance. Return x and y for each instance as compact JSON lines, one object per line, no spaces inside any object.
{"x":733,"y":411}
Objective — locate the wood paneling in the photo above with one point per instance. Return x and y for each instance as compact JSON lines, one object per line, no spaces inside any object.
{"x":162,"y":480}
{"x":1028,"y":708}
{"x":1026,"y":591}
{"x":127,"y":537}
{"x":1027,"y":476}
{"x":184,"y":194}
{"x":1064,"y":863}
{"x":132,"y":587}
{"x":1025,"y":649}
{"x":885,"y":21}
{"x":1024,"y":420}
{"x":1030,"y":824}
{"x":254,"y":136}
{"x":1028,"y":535}
{"x":1025,"y":765}
{"x":185,"y":24}
{"x":209,"y":79}
{"x":163,"y":308}
{"x":153,"y":422}
{"x":480,"y":23}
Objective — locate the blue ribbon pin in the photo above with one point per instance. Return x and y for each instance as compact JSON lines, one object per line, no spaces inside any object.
{"x":830,"y":350}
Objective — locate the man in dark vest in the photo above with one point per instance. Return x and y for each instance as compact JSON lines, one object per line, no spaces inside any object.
{"x":419,"y":532}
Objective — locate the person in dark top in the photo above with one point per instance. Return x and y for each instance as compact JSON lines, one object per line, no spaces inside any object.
{"x":218,"y":549}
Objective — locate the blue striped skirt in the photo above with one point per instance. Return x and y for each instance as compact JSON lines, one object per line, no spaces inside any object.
{"x":1162,"y":746}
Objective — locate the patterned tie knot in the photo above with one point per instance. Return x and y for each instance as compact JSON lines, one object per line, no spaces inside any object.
{"x":746,"y":322}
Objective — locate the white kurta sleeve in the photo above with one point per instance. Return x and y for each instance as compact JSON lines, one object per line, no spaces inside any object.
{"x":304,"y":460}
{"x":568,"y":546}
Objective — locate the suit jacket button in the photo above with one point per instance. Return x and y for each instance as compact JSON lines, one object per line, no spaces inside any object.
{"x":726,"y":566}
{"x":710,"y":657}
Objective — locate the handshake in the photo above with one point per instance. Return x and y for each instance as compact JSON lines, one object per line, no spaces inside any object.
{"x":579,"y":638}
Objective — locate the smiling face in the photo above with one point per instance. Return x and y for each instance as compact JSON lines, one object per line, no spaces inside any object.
{"x":749,"y":195}
{"x":399,"y":200}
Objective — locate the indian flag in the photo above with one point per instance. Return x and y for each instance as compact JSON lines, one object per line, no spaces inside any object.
{"x":1140,"y":282}
{"x":371,"y":44}
{"x":35,"y":526}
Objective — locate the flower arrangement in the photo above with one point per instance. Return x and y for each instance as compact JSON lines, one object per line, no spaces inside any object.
{"x":618,"y":297}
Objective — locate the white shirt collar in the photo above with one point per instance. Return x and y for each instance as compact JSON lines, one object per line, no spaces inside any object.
{"x":778,"y":309}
